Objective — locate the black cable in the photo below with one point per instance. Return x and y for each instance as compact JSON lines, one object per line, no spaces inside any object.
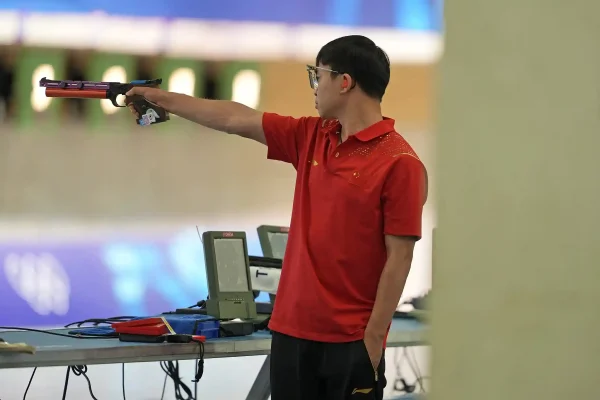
{"x":162,"y":396}
{"x":199,"y":368}
{"x":14,"y":328}
{"x":171,"y":368}
{"x":29,"y":384}
{"x":64,"y":396}
{"x":98,"y":321}
{"x":414,"y":365}
{"x":78,"y":370}
{"x":123,"y":379}
{"x":400,"y":384}
{"x":172,"y":371}
{"x":200,"y":304}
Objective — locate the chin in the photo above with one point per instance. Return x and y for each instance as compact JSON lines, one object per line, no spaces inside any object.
{"x":324,"y":114}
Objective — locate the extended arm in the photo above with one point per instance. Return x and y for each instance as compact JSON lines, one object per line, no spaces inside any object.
{"x":220,"y":115}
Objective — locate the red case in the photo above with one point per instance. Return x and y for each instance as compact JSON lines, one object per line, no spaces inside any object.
{"x":148,"y":330}
{"x":139,"y":322}
{"x":148,"y":326}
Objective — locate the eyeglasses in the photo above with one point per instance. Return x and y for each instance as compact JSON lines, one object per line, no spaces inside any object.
{"x":312,"y":75}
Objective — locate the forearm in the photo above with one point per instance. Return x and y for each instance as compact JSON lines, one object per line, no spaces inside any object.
{"x":220,"y":115}
{"x":390,"y":288}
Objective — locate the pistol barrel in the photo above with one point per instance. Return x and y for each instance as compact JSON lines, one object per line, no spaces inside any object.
{"x":76,"y":94}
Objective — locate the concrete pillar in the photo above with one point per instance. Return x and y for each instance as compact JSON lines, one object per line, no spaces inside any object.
{"x":517,"y":266}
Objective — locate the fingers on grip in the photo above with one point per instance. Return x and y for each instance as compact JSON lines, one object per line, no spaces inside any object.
{"x":133,"y":110}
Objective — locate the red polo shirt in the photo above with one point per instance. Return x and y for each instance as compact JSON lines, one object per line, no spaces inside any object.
{"x":347,"y":197}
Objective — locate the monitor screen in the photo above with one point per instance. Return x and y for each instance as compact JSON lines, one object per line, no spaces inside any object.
{"x":231,"y":265}
{"x":278,"y":242}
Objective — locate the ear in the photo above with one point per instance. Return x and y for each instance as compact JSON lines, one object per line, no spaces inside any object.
{"x":346,"y":83}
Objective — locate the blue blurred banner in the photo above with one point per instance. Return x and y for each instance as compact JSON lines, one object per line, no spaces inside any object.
{"x":420,"y":15}
{"x":53,"y":284}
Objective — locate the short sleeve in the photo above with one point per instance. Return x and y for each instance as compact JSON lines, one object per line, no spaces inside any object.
{"x":403,"y":197}
{"x":286,"y":136}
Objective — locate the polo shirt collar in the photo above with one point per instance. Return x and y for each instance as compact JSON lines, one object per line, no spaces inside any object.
{"x":376,"y":130}
{"x":372,"y":132}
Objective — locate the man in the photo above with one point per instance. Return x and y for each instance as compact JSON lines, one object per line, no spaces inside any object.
{"x":360,"y":190}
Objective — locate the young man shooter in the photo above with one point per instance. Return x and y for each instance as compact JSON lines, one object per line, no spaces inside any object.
{"x":360,"y":190}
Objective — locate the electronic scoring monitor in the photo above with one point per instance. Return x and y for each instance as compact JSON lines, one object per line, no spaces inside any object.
{"x":231,"y":265}
{"x":228,"y":275}
{"x":273,"y":240}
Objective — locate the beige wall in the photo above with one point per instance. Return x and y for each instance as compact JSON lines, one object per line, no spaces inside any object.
{"x":409,"y":98}
{"x":141,"y":174}
{"x":516,"y":275}
{"x":138,"y":174}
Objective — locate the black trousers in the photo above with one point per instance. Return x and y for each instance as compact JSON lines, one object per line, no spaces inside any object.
{"x":307,"y":370}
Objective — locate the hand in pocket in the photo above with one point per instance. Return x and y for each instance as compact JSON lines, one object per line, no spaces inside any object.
{"x":374,"y":346}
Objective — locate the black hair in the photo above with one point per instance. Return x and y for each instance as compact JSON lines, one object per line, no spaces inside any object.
{"x":359,"y":57}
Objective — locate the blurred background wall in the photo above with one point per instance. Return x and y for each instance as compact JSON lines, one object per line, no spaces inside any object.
{"x":98,"y":216}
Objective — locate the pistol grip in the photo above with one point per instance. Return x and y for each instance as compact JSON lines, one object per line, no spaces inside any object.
{"x":148,"y":113}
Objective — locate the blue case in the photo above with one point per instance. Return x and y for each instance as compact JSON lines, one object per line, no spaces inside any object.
{"x":209,"y":329}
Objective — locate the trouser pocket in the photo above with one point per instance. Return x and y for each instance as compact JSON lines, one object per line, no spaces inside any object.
{"x":367,"y":358}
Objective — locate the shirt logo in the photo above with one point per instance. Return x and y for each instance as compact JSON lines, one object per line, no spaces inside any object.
{"x":313,"y":162}
{"x":362,"y":391}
